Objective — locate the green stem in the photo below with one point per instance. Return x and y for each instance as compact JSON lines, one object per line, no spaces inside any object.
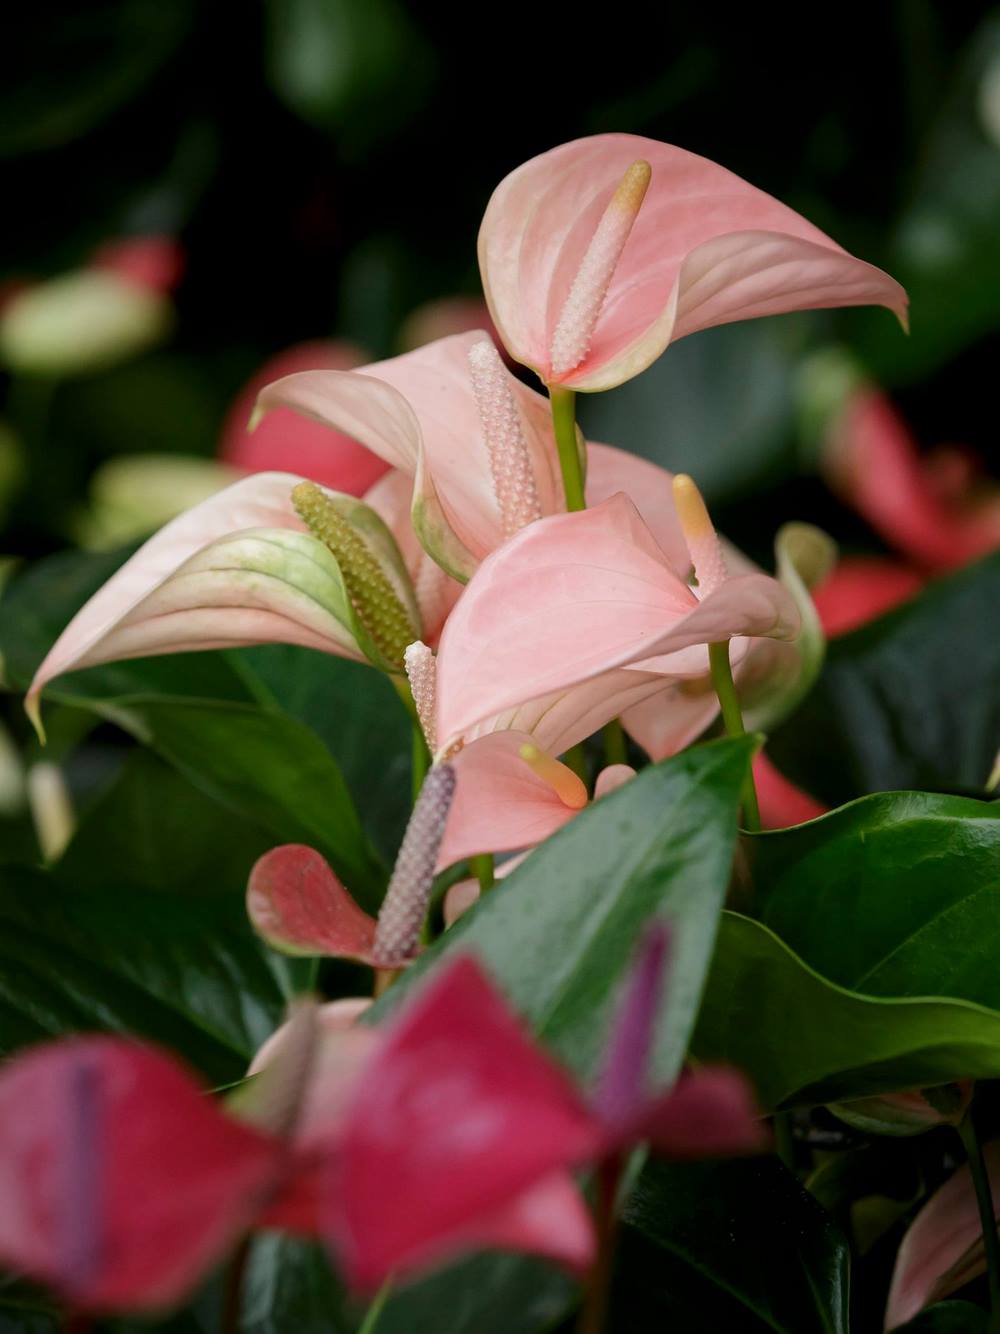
{"x":482,"y":868}
{"x":615,"y":749}
{"x":725,"y":688}
{"x":375,"y":1310}
{"x":235,"y":1276}
{"x":987,"y":1215}
{"x":598,"y":1293}
{"x":564,"y":425}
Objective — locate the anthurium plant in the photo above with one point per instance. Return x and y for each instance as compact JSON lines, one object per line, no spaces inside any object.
{"x":510,"y":913}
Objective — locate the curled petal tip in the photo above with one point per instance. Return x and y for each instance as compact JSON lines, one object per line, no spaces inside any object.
{"x":256,"y":417}
{"x":33,"y":708}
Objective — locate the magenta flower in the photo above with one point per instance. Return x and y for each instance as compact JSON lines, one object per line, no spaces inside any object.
{"x":122,"y":1182}
{"x":598,"y":254}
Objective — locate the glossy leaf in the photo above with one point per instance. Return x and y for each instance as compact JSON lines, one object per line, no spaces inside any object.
{"x":893,"y":895}
{"x":909,"y":701}
{"x":804,"y":1040}
{"x":735,"y":1246}
{"x":186,"y":973}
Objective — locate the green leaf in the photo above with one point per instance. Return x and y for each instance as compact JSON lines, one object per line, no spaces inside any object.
{"x":734,"y":1246}
{"x":909,"y":701}
{"x":151,"y":830}
{"x":804,"y":1040}
{"x":186,"y":972}
{"x":357,"y":714}
{"x":268,"y":768}
{"x":948,"y":1318}
{"x":893,"y":895}
{"x":557,"y":935}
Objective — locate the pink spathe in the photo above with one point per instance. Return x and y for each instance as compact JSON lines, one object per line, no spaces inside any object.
{"x":287,"y":442}
{"x":702,"y":248}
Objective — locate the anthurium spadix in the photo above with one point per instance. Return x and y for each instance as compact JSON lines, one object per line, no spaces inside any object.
{"x":573,"y":609}
{"x":476,"y":444}
{"x":271,"y":559}
{"x":598,"y":254}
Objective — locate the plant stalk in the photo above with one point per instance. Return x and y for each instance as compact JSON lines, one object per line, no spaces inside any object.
{"x":564,"y":426}
{"x":725,"y":688}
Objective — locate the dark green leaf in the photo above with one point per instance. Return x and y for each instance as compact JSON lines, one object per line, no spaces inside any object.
{"x":187,"y":973}
{"x":804,"y":1040}
{"x":948,"y":1318}
{"x":266,"y":767}
{"x":893,"y":895}
{"x":739,"y":1247}
{"x":909,"y":701}
{"x":355,"y":711}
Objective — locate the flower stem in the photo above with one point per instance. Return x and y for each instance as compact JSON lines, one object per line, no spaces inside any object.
{"x":482,"y":868}
{"x":233,"y":1299}
{"x":598,"y":1293}
{"x":375,"y":1310}
{"x":987,"y":1214}
{"x":615,"y":750}
{"x":725,"y":688}
{"x":564,"y":425}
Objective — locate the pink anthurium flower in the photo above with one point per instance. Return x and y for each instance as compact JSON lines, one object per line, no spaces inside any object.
{"x":943,"y":1247}
{"x":598,"y":254}
{"x":288,"y":442}
{"x":257,"y":564}
{"x":581,"y":614}
{"x":475,"y":442}
{"x":122,"y":1182}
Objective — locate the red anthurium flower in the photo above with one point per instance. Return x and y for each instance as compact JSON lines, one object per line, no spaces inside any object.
{"x":781,"y":803}
{"x":456,"y":1116}
{"x":153,"y":262}
{"x":299,"y":906}
{"x":121,"y":1182}
{"x":861,"y":588}
{"x":931,"y":510}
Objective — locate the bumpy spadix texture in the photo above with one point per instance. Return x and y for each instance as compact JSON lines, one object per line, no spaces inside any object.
{"x":571,"y":340}
{"x":510,"y":462}
{"x":421,"y":673}
{"x":372,"y":595}
{"x":405,"y":905}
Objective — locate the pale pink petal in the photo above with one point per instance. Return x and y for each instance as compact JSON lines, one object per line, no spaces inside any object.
{"x":286,"y":441}
{"x":459,"y":899}
{"x":943,"y":1248}
{"x":419,"y":413}
{"x":500,"y":803}
{"x":298,"y":905}
{"x":650,"y":489}
{"x":611,"y":778}
{"x":575,"y":596}
{"x":261,"y":501}
{"x":706,"y":248}
{"x":669,"y":719}
{"x":334,"y":1017}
